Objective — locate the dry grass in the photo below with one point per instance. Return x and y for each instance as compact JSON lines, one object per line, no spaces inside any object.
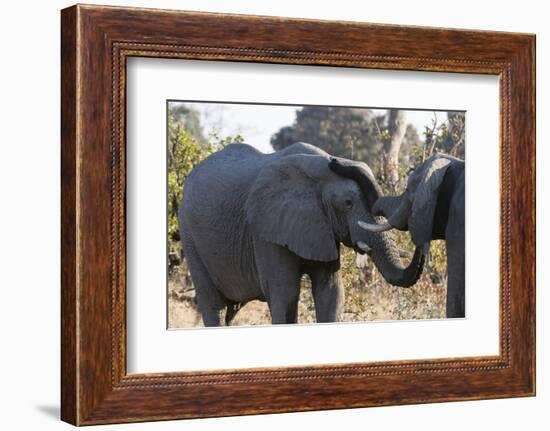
{"x":368,"y":295}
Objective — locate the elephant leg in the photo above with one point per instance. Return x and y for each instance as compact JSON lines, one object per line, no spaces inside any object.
{"x":455,"y":242}
{"x":455,"y":279}
{"x":328,"y":291}
{"x":279,"y":275}
{"x":212,"y":304}
{"x":232,"y":309}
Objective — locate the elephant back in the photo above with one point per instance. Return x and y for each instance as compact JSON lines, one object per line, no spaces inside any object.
{"x":220,"y":182}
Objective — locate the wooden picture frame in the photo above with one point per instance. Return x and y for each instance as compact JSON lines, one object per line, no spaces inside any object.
{"x":95,"y":43}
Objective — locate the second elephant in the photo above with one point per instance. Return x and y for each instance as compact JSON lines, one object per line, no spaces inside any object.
{"x":432,"y":207}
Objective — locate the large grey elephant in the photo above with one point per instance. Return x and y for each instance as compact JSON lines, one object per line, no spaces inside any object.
{"x":432,"y":207}
{"x":252,"y":224}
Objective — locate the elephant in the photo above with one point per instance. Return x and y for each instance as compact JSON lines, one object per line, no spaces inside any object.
{"x":252,"y":224}
{"x":432,"y":207}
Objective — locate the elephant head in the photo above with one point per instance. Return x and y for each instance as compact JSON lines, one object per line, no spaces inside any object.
{"x":299,"y":203}
{"x":414,"y":210}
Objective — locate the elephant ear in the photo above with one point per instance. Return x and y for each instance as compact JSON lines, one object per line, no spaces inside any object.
{"x":284,"y":207}
{"x":425,"y":199}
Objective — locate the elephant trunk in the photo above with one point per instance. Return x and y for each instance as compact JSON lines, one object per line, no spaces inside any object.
{"x":386,"y":257}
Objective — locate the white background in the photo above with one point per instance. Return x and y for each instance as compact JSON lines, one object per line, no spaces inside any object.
{"x":151,"y":348}
{"x":29,"y":228}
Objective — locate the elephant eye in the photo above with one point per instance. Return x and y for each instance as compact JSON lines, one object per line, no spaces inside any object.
{"x":348,"y":203}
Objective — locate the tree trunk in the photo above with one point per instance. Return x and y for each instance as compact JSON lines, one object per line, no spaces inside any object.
{"x":397,"y":127}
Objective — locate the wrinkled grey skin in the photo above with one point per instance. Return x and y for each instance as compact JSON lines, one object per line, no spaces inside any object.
{"x":253,"y":224}
{"x":432,"y":207}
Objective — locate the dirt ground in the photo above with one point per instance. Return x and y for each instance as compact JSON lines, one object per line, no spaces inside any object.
{"x":370,"y":298}
{"x":184,"y":313}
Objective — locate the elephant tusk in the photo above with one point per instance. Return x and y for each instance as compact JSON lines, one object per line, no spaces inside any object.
{"x":363,"y":246}
{"x":375,"y":227}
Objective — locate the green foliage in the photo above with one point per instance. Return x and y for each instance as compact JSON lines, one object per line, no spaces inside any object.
{"x":184,"y":152}
{"x":220,"y":142}
{"x":447,"y":138}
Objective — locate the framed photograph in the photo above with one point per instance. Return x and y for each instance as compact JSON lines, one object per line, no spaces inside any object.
{"x":263,"y":214}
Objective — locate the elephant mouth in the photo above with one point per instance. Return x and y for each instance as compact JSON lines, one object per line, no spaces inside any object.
{"x":362,"y":247}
